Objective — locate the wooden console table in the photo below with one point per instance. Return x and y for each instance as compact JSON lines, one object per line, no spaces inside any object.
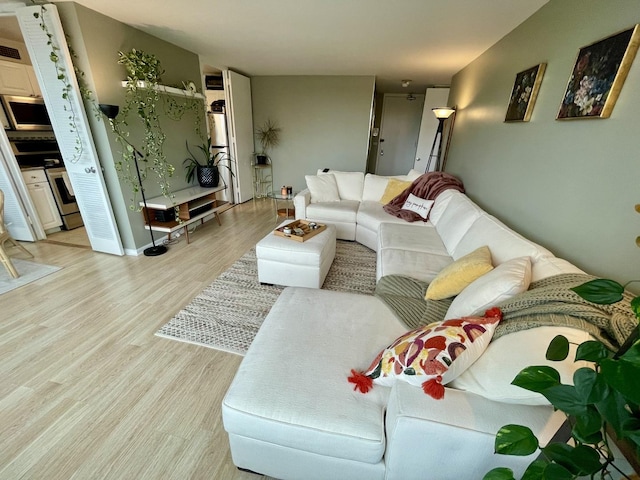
{"x":193,"y":204}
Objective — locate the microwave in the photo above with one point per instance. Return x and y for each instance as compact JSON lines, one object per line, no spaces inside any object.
{"x":26,"y":113}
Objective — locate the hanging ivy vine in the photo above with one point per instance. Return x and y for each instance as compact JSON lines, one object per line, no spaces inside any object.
{"x":63,"y":77}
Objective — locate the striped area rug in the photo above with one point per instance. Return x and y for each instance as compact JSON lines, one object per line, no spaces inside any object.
{"x":228,"y":313}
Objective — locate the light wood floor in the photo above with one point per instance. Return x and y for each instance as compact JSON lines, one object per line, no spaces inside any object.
{"x":86,"y":389}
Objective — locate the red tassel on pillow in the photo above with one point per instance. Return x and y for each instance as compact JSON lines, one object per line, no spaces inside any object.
{"x":434,"y":388}
{"x":361,"y":381}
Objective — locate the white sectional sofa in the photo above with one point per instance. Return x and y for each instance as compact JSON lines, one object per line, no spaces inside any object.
{"x":359,"y":212}
{"x":290,"y":412}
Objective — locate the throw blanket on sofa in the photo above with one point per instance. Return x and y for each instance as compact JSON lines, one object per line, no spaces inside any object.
{"x":427,"y":186}
{"x":548,"y":302}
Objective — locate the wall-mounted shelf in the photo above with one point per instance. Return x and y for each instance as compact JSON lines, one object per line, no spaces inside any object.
{"x":171,"y":90}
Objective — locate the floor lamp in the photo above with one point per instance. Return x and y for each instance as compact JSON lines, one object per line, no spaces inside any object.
{"x":441,"y":113}
{"x":111,"y":112}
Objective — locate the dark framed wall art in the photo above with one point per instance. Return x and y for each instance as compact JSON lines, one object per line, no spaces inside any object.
{"x":598,"y":75}
{"x":524,"y":94}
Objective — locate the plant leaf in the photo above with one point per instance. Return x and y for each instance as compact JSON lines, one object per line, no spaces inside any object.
{"x":560,"y":453}
{"x":586,"y":382}
{"x":586,"y":459}
{"x":537,"y":378}
{"x":635,"y":307}
{"x":558,"y":349}
{"x":588,"y":425}
{"x":623,"y":376}
{"x":535,"y":470}
{"x":614,"y":410}
{"x":591,"y":351}
{"x":601,"y":291}
{"x":500,"y":473}
{"x":632,"y":355}
{"x":566,"y":398}
{"x":515,"y":440}
{"x":557,"y":472}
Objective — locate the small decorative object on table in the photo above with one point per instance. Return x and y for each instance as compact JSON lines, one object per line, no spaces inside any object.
{"x":300,"y":230}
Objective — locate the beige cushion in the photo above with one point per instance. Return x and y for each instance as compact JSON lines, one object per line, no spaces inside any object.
{"x":323,"y":188}
{"x":394,"y":188}
{"x":458,"y":275}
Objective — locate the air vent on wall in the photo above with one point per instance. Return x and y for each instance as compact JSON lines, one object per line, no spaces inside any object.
{"x":10,"y":52}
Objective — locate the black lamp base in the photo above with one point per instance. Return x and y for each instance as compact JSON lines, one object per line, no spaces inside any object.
{"x":155,"y":251}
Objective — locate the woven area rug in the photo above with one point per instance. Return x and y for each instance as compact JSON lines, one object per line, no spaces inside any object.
{"x":228,"y":313}
{"x":29,"y":272}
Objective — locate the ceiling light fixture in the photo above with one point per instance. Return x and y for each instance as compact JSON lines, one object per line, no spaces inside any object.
{"x":405,"y":83}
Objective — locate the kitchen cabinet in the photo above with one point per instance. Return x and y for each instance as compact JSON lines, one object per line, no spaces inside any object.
{"x":42,"y":198}
{"x":18,"y":79}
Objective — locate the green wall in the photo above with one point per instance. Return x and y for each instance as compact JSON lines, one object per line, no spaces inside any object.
{"x":569,"y":185}
{"x":97,"y":39}
{"x":324,"y":120}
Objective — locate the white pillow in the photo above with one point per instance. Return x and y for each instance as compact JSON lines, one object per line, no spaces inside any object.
{"x":501,"y":283}
{"x":491,"y":375}
{"x":323,"y":188}
{"x":419,"y":205}
{"x":350,"y":184}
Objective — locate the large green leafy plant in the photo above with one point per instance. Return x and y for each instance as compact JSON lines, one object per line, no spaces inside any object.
{"x":607,"y":396}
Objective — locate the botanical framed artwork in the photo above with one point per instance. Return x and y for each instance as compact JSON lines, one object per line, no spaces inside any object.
{"x":598,"y":75}
{"x":524,"y":94}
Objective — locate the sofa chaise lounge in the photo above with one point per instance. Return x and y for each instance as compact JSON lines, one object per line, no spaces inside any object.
{"x":291,"y":413}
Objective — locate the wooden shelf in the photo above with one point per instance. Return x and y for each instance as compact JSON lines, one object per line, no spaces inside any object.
{"x":193,"y":204}
{"x":171,"y":90}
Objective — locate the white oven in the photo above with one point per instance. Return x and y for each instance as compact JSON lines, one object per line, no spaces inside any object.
{"x":65,"y":198}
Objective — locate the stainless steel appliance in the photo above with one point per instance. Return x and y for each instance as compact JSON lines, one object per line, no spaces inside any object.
{"x":65,"y":198}
{"x":220,"y":143}
{"x":35,"y":149}
{"x":26,"y":113}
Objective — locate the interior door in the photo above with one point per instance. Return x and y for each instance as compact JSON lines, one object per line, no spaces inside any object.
{"x":399,"y":129}
{"x":240,"y":129}
{"x":435,"y":97}
{"x":65,"y":106}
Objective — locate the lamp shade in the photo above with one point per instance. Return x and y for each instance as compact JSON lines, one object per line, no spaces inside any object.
{"x":443,"y":112}
{"x":110,"y":111}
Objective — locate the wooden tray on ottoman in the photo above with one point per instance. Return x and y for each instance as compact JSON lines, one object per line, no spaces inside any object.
{"x":304,"y":226}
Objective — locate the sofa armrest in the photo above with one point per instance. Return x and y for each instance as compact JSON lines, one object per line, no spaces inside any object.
{"x":300,"y":202}
{"x":456,"y":434}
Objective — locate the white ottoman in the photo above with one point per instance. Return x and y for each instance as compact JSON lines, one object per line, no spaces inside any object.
{"x":282,"y":261}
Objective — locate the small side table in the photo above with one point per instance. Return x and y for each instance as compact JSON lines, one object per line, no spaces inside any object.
{"x":288,"y":210}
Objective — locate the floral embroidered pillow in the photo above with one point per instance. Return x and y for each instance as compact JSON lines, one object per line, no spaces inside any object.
{"x":431,"y":356}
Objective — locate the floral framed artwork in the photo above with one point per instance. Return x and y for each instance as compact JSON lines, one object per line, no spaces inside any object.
{"x":598,"y":75}
{"x":524,"y":94}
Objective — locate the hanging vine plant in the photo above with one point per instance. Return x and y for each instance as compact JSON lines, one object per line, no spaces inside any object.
{"x":142,"y":98}
{"x":63,"y":77}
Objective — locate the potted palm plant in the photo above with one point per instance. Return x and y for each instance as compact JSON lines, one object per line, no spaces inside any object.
{"x":206,"y":169}
{"x":269,"y":136}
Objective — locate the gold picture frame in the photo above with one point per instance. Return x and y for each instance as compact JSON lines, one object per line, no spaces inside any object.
{"x":524,"y":94}
{"x":598,"y":74}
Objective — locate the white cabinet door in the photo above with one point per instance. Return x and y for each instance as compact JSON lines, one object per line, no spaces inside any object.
{"x":45,"y":204}
{"x":240,"y":122}
{"x":14,"y":79}
{"x":35,"y":88}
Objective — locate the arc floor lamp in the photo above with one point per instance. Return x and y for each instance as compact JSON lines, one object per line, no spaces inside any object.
{"x":441,"y":113}
{"x":111,"y":112}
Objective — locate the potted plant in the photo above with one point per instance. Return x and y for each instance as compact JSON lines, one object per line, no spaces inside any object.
{"x":603,"y":399}
{"x":206,"y":170}
{"x":269,"y":136}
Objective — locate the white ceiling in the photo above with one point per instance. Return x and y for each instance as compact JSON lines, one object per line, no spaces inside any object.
{"x":426,"y":41}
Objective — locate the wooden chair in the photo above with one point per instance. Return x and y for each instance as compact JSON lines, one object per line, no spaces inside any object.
{"x":4,"y":238}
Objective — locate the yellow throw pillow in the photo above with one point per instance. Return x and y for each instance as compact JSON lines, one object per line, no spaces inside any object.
{"x":394,"y":188}
{"x":455,"y":277}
